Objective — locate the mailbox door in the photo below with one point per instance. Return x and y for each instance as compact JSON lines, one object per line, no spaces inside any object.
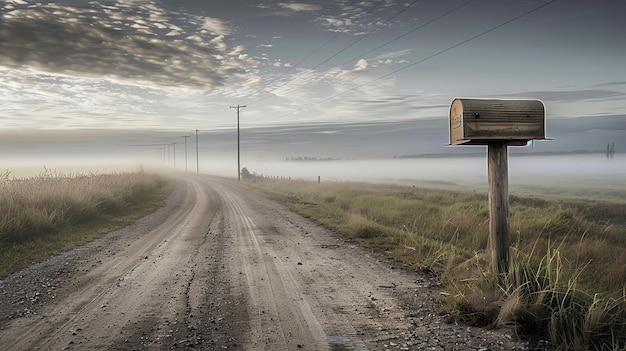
{"x":457,"y":127}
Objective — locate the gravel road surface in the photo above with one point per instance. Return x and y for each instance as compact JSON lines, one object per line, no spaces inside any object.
{"x":220,"y":268}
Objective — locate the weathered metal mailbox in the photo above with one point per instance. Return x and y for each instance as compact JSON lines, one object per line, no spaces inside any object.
{"x":480,"y":122}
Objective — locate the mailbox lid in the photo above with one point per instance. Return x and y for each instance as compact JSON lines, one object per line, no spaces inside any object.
{"x":477,"y":121}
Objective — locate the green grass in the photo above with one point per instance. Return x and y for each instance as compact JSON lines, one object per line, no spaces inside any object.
{"x":44,"y":215}
{"x":567,"y":280}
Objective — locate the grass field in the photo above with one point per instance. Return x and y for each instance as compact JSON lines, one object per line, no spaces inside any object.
{"x":45,"y":214}
{"x":567,"y":280}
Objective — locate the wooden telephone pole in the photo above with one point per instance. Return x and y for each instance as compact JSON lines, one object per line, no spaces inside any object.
{"x":238,"y":108}
{"x":185,"y":136}
{"x":197,"y":155}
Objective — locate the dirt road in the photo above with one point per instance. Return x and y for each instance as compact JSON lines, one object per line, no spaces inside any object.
{"x":219,"y":267}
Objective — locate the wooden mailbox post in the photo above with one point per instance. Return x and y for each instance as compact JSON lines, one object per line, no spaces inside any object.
{"x":497,"y":124}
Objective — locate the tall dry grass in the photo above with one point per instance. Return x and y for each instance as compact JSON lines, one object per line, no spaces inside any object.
{"x":34,"y":210}
{"x":544,"y":298}
{"x":568,"y":272}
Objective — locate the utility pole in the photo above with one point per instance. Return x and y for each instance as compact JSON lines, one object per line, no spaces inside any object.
{"x":197,"y":158}
{"x":162,"y":154}
{"x":168,"y":155}
{"x":174,"y":151}
{"x":238,"y":108}
{"x":185,"y":136}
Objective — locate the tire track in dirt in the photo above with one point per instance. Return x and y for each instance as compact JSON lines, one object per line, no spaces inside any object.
{"x":304,"y":291}
{"x":309,"y":288}
{"x":276,"y":322}
{"x":102,"y":303}
{"x":220,"y":267}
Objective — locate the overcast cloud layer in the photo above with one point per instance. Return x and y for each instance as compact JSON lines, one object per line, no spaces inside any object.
{"x":180,"y":64}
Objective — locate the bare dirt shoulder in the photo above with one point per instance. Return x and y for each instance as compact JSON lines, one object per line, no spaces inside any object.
{"x":219,"y":267}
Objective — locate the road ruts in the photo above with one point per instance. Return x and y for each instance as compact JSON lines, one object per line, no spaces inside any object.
{"x":219,"y":267}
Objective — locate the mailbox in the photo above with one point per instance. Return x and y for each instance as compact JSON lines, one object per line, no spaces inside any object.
{"x":480,"y":122}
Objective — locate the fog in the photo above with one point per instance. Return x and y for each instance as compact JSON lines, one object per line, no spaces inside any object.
{"x":576,"y":171}
{"x":408,"y":153}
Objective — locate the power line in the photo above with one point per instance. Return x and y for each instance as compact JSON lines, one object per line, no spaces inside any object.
{"x":307,"y":57}
{"x":411,"y":31}
{"x":290,"y":69}
{"x":376,"y":48}
{"x":433,"y":55}
{"x":326,"y":43}
{"x":366,"y":35}
{"x":390,"y":41}
{"x":338,"y":33}
{"x":461,"y":43}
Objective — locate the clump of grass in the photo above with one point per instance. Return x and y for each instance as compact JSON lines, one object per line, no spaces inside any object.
{"x":360,"y":227}
{"x":39,"y":215}
{"x":542,"y":299}
{"x":567,"y":279}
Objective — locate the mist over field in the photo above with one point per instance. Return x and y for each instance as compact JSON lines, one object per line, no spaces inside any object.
{"x":406,"y":152}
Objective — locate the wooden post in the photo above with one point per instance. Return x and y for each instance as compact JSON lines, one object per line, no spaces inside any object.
{"x":497,"y":124}
{"x":499,"y":223}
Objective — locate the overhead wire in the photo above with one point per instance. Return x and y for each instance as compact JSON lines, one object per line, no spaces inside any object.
{"x":392,"y":40}
{"x":345,"y":48}
{"x":428,"y":57}
{"x":293,"y":67}
{"x":366,"y":35}
{"x":337,"y":34}
{"x":378,"y":47}
{"x":410,"y":31}
{"x":461,"y":43}
{"x":386,"y":43}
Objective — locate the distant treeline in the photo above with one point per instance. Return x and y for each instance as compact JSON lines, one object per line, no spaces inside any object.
{"x":512,"y":151}
{"x":308,"y":158}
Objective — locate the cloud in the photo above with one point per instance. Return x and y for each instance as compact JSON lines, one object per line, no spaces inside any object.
{"x":341,"y":95}
{"x":237,"y":50}
{"x":360,"y":65}
{"x":342,"y":16}
{"x":619,"y":83}
{"x":218,"y":43}
{"x":299,"y":7}
{"x":138,"y":44}
{"x":215,"y":26}
{"x":393,"y":54}
{"x":571,"y":95}
{"x":357,"y":18}
{"x":338,"y":23}
{"x":55,"y":101}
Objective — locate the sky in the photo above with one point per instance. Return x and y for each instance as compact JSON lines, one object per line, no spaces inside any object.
{"x":181,"y":64}
{"x":327,"y":78}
